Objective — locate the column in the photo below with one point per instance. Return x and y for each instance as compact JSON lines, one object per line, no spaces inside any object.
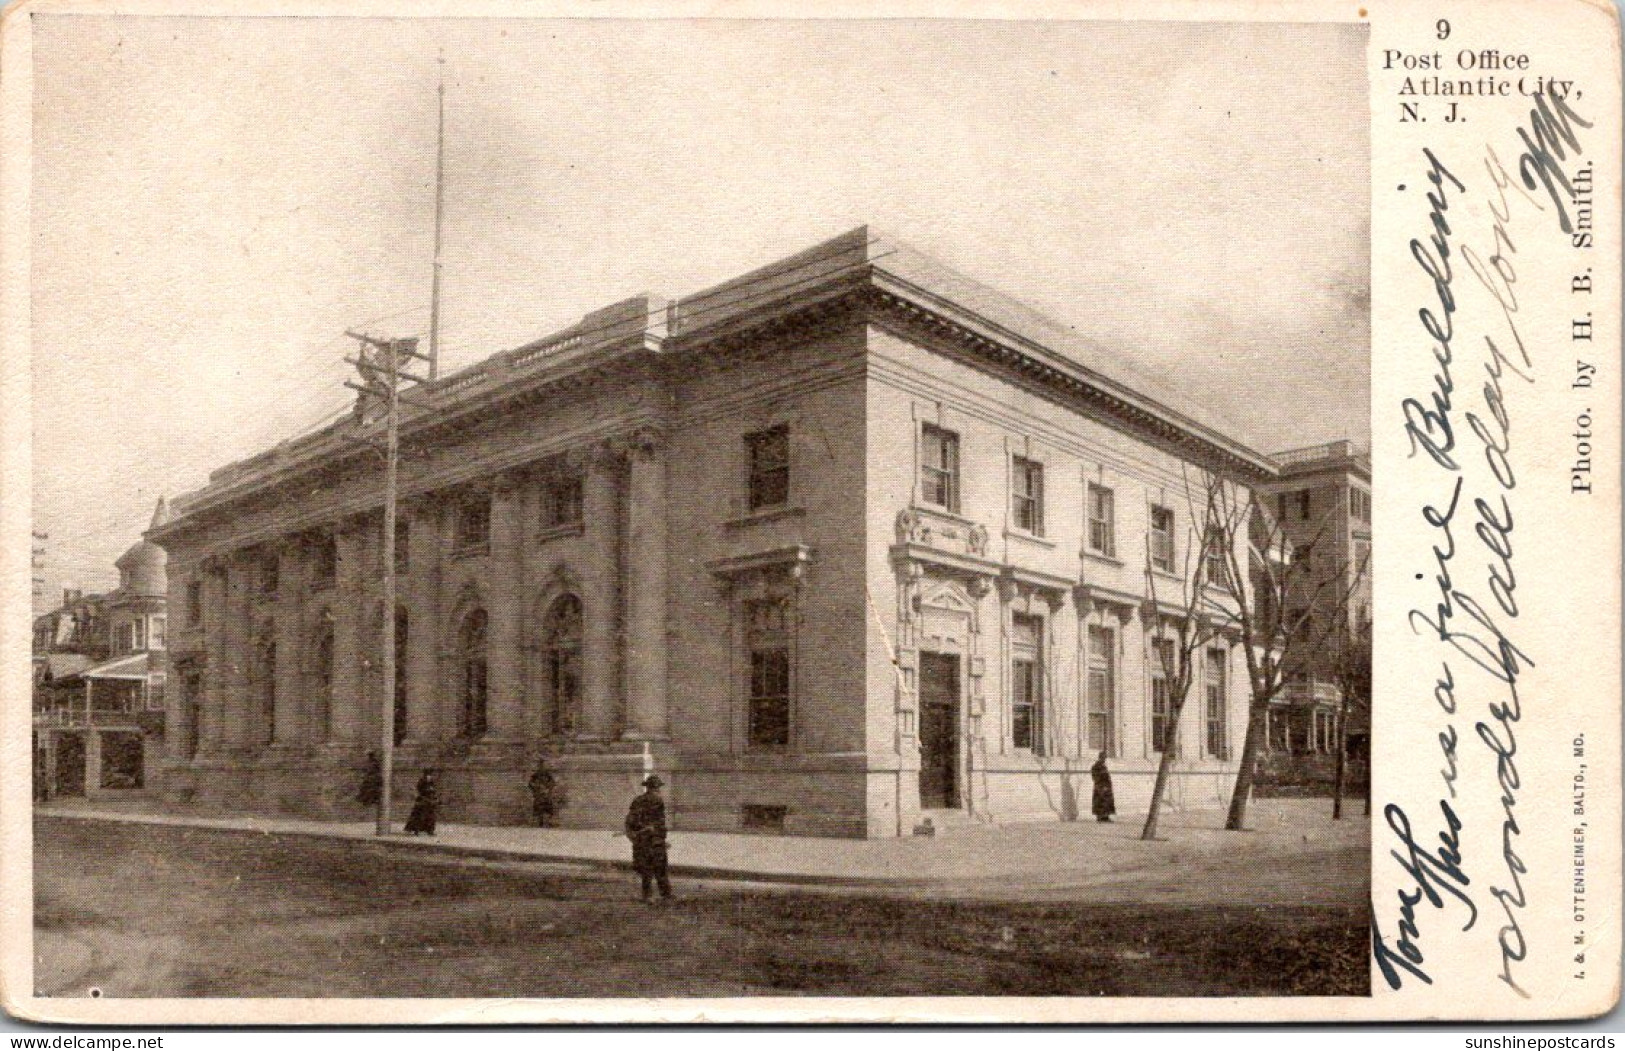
{"x":601,"y":514}
{"x":646,"y":590}
{"x":423,"y":625}
{"x":238,"y":653}
{"x":505,"y":691}
{"x":345,"y":715}
{"x":287,"y":720}
{"x":212,"y":708}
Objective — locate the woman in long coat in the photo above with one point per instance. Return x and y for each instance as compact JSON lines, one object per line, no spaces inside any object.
{"x":1103,"y":806}
{"x":372,"y":781}
{"x":425,"y":807}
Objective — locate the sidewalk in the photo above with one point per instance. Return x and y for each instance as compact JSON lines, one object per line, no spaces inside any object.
{"x":1078,"y":852}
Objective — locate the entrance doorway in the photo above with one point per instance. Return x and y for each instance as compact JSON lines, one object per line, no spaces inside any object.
{"x":939,"y":731}
{"x":70,"y":765}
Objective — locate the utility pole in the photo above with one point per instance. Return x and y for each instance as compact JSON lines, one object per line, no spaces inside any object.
{"x":379,"y":363}
{"x":439,"y":211}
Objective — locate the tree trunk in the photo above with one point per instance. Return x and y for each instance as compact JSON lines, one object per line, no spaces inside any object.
{"x":1342,"y":752}
{"x":1244,"y":776}
{"x":1164,"y":767}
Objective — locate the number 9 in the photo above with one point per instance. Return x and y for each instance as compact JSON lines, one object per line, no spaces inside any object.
{"x":1443,"y":27}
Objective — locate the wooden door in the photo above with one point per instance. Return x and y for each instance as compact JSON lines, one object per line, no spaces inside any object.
{"x":939,"y":730}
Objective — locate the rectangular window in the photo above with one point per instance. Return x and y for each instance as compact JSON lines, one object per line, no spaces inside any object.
{"x":194,"y":602}
{"x":1102,"y":699}
{"x":1303,"y":503}
{"x":1217,"y":566}
{"x":768,"y":455}
{"x":1218,"y":741}
{"x":325,"y":562}
{"x":1162,"y":538}
{"x":1362,"y":560}
{"x":1102,"y":521}
{"x":158,"y":633}
{"x":270,"y":568}
{"x":403,"y":544}
{"x":1027,"y":495}
{"x":562,"y":502}
{"x":1163,"y":660}
{"x":139,"y":632}
{"x":767,"y":638}
{"x":1359,"y":505}
{"x":474,"y":525}
{"x":1027,"y":683}
{"x":939,"y":467}
{"x":1280,"y":507}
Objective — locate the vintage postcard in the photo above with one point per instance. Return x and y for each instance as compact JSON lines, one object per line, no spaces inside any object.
{"x":910,"y":511}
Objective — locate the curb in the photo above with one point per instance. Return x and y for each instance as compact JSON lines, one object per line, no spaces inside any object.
{"x":402,"y":844}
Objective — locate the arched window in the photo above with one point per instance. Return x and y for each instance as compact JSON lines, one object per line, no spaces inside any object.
{"x":561,"y":656}
{"x":471,"y":646}
{"x":321,"y":675}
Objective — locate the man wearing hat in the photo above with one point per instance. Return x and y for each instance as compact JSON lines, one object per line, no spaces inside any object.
{"x":646,"y":828}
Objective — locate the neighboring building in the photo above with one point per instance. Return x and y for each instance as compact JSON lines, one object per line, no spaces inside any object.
{"x":1322,"y":501}
{"x":846,"y":541}
{"x":99,"y":705}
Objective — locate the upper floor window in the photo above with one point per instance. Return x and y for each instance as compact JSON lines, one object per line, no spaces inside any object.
{"x":1280,"y":507}
{"x":474,"y":524}
{"x":1362,"y":560}
{"x":325,"y":562}
{"x":158,"y":632}
{"x":1162,"y":538}
{"x":269,"y":575}
{"x":768,"y":455}
{"x":1359,"y":505}
{"x":767,"y":640}
{"x":1102,"y":521}
{"x":194,"y":602}
{"x":1303,"y":503}
{"x":939,"y":467}
{"x":1216,"y":565}
{"x":562,"y":501}
{"x":1027,"y":683}
{"x":1027,"y":495}
{"x":403,"y":544}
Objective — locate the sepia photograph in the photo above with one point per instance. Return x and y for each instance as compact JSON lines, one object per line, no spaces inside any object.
{"x":700,"y":508}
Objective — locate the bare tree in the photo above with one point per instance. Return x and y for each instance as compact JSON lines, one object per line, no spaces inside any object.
{"x":1351,"y":668}
{"x":1184,"y":627}
{"x":1276,"y":596}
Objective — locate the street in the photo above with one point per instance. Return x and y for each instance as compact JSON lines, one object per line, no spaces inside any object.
{"x":171,"y":911}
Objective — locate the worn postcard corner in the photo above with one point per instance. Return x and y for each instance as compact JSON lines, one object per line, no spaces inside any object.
{"x":1083,"y":512}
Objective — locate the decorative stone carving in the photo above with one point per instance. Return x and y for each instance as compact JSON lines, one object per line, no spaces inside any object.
{"x":911,"y":529}
{"x":977,"y":540}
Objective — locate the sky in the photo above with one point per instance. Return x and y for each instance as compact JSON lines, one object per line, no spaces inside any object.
{"x":216,"y":200}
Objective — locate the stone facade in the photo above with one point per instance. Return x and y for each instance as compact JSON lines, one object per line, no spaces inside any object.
{"x":825,"y":544}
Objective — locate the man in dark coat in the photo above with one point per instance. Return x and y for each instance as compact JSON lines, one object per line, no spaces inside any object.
{"x":372,"y":781}
{"x":646,"y":828}
{"x":1103,"y":806}
{"x":546,"y":795}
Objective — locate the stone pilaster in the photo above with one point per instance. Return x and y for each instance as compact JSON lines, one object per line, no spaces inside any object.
{"x":646,"y":591}
{"x":239,"y":655}
{"x":345,"y":716}
{"x":423,"y":641}
{"x":212,"y":705}
{"x":288,"y":714}
{"x":504,"y":661}
{"x":601,"y":520}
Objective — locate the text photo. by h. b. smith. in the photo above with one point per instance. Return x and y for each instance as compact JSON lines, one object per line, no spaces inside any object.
{"x":957,"y":583}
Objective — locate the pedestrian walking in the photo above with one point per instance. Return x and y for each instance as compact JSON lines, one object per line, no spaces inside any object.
{"x":646,"y":828}
{"x":546,"y":795}
{"x":426,"y":807}
{"x":372,"y":782}
{"x":1103,"y":805}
